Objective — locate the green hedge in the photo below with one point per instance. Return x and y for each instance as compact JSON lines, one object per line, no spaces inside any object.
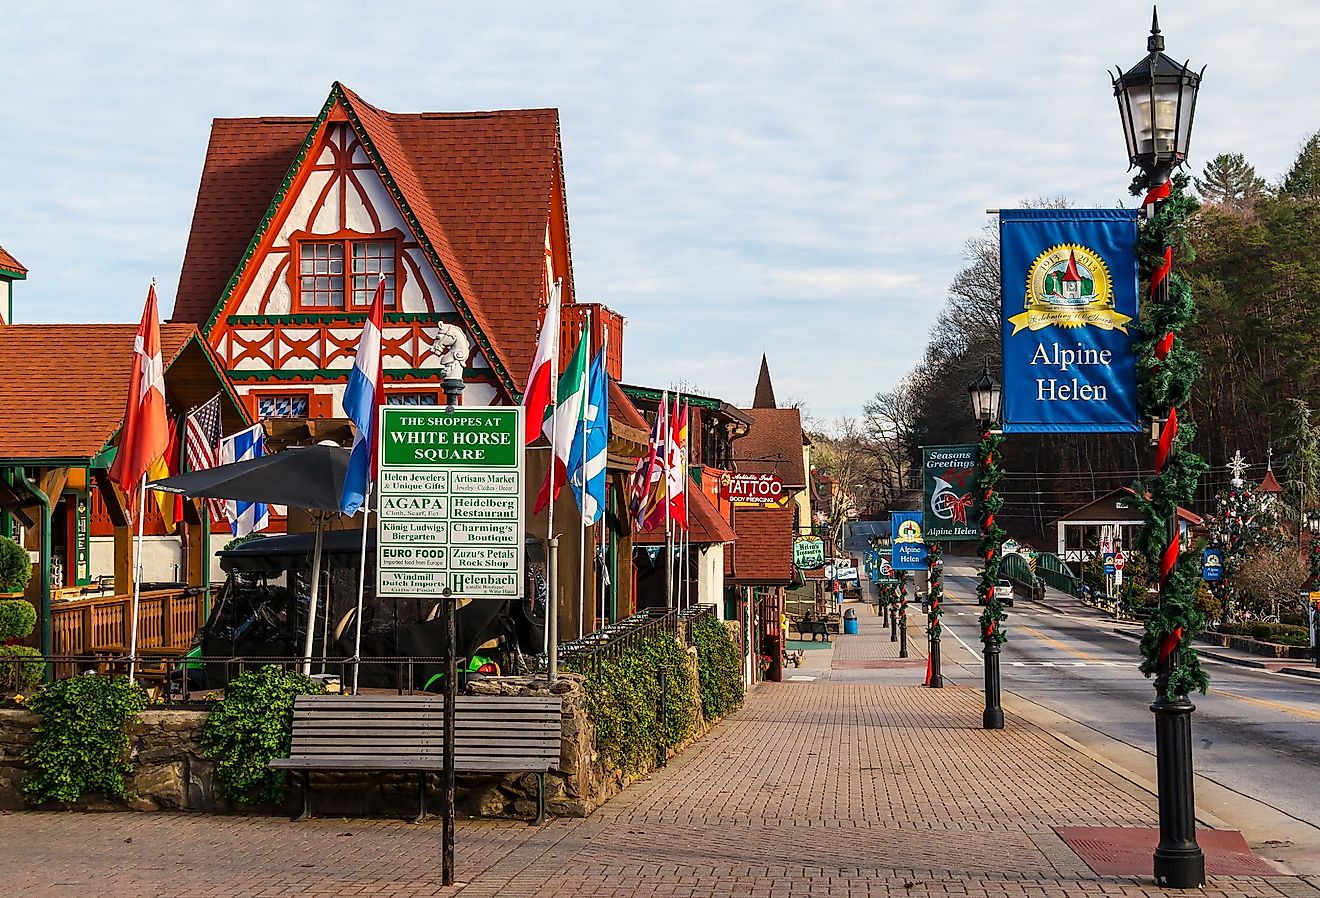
{"x":15,"y":566}
{"x":82,"y":742}
{"x":1282,"y":634}
{"x":249,"y":727}
{"x":623,"y":701}
{"x":18,"y":675}
{"x":719,"y":668}
{"x":17,"y":619}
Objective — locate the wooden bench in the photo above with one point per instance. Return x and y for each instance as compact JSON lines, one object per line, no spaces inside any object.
{"x":493,"y":734}
{"x":814,"y":627}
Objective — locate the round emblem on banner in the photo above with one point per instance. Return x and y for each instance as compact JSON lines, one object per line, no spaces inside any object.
{"x":1069,"y":285}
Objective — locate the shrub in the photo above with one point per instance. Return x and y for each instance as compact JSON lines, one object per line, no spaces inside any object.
{"x":719,"y":668}
{"x":82,"y":743}
{"x":17,"y":619}
{"x":623,"y":701}
{"x":249,"y":727}
{"x":1262,"y":632}
{"x":17,"y":675}
{"x":15,"y":566}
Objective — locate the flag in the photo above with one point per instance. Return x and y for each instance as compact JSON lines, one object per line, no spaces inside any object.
{"x":640,"y":484}
{"x":202,"y":446}
{"x":586,"y":460}
{"x":144,"y":436}
{"x":170,"y":504}
{"x":650,"y":482}
{"x":245,"y":517}
{"x":362,"y":400}
{"x":676,"y":470}
{"x":538,"y":398}
{"x":566,"y":420}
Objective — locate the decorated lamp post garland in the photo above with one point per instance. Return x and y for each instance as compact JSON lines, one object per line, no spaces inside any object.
{"x":991,"y":546}
{"x":1169,"y":368}
{"x":935,"y":603}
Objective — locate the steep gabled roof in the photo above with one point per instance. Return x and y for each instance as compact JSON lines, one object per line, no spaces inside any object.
{"x":773,"y":445}
{"x":1113,"y":501}
{"x":764,"y":551}
{"x":66,"y":385}
{"x":10,"y":266}
{"x":477,"y":187}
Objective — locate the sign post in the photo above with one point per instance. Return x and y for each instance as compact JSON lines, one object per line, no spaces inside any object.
{"x":450,"y":523}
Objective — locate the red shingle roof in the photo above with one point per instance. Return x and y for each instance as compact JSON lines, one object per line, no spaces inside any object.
{"x":480,"y":185}
{"x":773,"y":445}
{"x":764,"y":553}
{"x":708,"y":525}
{"x":9,"y":263}
{"x":65,"y":385}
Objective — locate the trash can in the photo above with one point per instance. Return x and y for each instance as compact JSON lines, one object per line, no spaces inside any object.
{"x":849,"y":622}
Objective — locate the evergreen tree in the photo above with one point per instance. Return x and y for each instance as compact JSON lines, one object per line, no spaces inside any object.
{"x":1244,"y":523}
{"x":1229,"y":180}
{"x":1301,"y":444}
{"x":1303,"y":179}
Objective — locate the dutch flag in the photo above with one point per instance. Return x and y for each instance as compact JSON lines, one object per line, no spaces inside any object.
{"x":364,"y":396}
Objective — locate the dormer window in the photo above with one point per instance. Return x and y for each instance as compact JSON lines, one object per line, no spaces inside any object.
{"x":331,"y":272}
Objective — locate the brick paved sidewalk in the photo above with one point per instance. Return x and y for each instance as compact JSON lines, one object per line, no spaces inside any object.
{"x":856,"y":787}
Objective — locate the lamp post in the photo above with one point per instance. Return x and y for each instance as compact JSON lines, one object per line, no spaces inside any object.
{"x":986,"y":393}
{"x":1157,"y":102}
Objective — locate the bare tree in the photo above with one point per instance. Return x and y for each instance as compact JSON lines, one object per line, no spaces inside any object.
{"x":1267,"y":579}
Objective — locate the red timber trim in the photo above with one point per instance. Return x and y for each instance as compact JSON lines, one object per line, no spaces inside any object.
{"x":281,"y":343}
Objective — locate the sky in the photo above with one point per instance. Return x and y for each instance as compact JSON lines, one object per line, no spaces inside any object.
{"x":796,"y":179}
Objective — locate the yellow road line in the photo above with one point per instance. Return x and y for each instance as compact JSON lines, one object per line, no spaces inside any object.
{"x":1266,"y":703}
{"x":1085,"y":656}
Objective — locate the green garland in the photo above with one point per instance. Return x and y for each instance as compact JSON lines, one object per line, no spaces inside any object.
{"x":935,"y":591}
{"x":992,"y":536}
{"x":1167,"y":384}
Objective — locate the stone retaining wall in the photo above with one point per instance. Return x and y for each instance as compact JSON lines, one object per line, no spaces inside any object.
{"x":1255,"y":646}
{"x":171,"y":773}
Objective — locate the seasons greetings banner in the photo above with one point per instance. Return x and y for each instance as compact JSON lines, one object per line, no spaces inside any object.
{"x":1069,"y":320}
{"x":951,"y":506}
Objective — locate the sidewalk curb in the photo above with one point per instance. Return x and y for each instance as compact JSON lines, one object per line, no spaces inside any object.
{"x":1308,"y":673}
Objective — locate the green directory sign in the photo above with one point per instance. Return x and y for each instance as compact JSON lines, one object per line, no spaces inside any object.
{"x":451,"y":502}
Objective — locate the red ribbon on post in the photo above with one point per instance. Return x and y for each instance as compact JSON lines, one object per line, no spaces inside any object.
{"x":1170,"y":643}
{"x":1159,"y":274}
{"x":1169,"y":560}
{"x":1166,"y":440}
{"x":1164,"y":347}
{"x":1162,"y":192}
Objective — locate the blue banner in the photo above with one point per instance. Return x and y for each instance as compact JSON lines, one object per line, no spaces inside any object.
{"x":1069,"y":323}
{"x":909,"y":541}
{"x":1212,"y":565}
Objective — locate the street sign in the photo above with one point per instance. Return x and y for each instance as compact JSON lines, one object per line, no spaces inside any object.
{"x":1119,"y":560}
{"x":451,"y":503}
{"x":1315,"y":598}
{"x":1212,"y":565}
{"x":909,"y":544}
{"x":1110,"y":566}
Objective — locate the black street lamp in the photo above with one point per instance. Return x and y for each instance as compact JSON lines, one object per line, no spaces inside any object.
{"x":1313,"y":524}
{"x":1157,"y":102}
{"x":986,"y":393}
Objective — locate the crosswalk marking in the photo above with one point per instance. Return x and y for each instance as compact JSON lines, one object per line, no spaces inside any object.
{"x":1069,"y":663}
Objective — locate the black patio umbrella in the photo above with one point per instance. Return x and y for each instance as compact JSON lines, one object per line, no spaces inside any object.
{"x":310,"y":477}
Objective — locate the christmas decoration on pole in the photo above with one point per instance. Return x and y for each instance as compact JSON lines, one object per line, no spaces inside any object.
{"x":992,"y":537}
{"x":1168,"y":369}
{"x":935,"y":611}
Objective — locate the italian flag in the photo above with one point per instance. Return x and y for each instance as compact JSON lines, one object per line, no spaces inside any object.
{"x":562,"y":424}
{"x":539,"y":398}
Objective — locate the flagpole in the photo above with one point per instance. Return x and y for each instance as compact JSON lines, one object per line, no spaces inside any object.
{"x":550,"y":638}
{"x":137,"y":579}
{"x":582,"y":508}
{"x":362,"y":586}
{"x":669,"y":528}
{"x":604,"y":554}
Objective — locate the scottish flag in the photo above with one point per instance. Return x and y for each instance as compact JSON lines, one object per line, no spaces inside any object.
{"x":364,"y":395}
{"x":586,"y":458}
{"x":246,"y":445}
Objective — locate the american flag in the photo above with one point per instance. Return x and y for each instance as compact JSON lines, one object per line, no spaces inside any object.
{"x":203,"y":446}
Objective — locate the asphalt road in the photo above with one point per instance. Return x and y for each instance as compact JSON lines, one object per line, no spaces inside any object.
{"x":1256,"y":732}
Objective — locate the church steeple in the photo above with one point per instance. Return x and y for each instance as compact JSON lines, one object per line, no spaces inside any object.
{"x":765,"y":391}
